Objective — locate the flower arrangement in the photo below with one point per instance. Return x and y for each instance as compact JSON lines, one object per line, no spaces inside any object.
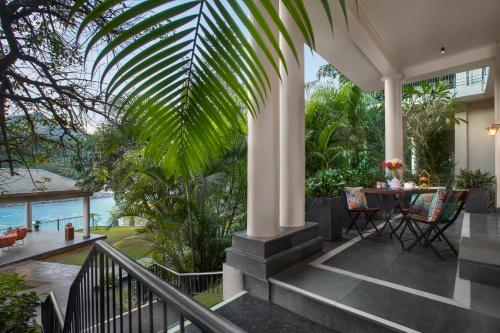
{"x":393,"y":166}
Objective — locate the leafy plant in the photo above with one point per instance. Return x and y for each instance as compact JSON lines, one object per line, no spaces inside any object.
{"x":430,"y":115}
{"x":185,"y":67}
{"x":475,"y":179}
{"x":325,"y":183}
{"x":17,"y":308}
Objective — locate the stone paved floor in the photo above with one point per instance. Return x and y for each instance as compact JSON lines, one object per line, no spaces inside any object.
{"x":45,"y":277}
{"x":42,"y":244}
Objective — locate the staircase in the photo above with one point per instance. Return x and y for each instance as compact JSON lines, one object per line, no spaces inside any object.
{"x":479,"y":255}
{"x":113,"y":293}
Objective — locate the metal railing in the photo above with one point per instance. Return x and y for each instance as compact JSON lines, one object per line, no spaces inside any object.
{"x":191,"y":284}
{"x":55,"y":225}
{"x":113,"y":293}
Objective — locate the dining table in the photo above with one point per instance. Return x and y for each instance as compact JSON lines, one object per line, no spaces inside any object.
{"x":403,"y":200}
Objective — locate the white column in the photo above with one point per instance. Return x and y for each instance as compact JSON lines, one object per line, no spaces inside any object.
{"x":263,"y":157}
{"x":28,"y":214}
{"x":292,"y":129}
{"x":393,"y":117}
{"x":496,"y":69}
{"x":86,"y":217}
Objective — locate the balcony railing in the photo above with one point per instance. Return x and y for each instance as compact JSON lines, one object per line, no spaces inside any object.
{"x":461,"y":84}
{"x":113,"y":293}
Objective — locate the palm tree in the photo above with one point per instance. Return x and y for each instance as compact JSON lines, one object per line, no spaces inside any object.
{"x":186,"y":67}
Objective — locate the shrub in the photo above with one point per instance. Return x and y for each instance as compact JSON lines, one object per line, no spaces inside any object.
{"x":325,"y":183}
{"x":17,"y":309}
{"x":475,"y":179}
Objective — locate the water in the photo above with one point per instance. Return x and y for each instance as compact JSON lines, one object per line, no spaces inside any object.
{"x":11,"y":216}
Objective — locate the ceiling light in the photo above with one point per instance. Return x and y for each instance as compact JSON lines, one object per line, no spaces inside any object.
{"x":493,"y":129}
{"x":443,"y":50}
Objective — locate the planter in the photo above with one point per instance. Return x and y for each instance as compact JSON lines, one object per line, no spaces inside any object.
{"x":478,"y":201}
{"x":330,"y":214}
{"x":69,"y":234}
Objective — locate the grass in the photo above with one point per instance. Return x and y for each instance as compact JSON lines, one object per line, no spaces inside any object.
{"x":208,"y":300}
{"x":116,"y":236}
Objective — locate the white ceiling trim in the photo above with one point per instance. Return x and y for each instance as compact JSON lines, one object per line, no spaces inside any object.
{"x":470,"y":59}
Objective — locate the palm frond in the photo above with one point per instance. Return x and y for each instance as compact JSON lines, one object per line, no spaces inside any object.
{"x":186,"y":70}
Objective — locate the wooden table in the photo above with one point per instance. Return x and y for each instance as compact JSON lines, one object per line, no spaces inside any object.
{"x":401,"y":195}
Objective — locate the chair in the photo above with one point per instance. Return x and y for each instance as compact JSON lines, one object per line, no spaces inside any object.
{"x":20,"y":234}
{"x":356,"y":206}
{"x":7,"y":241}
{"x":443,"y":212}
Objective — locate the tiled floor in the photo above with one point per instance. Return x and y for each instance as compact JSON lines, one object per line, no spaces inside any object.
{"x":43,"y":243}
{"x":257,"y":316}
{"x":382,"y":258}
{"x":412,"y":289}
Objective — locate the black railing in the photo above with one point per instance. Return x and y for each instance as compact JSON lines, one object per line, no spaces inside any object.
{"x":190,"y":283}
{"x":113,"y":293}
{"x":54,"y":225}
{"x":52,"y":319}
{"x":59,"y":224}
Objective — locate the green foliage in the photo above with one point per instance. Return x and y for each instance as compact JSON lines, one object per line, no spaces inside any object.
{"x":186,"y":67}
{"x":325,"y":183}
{"x":333,"y":182}
{"x":17,"y":308}
{"x":475,"y":179}
{"x":190,"y":219}
{"x":430,"y":116}
{"x":343,"y":128}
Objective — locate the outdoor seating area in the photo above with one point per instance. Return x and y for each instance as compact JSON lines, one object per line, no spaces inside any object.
{"x":423,"y":213}
{"x":39,"y":244}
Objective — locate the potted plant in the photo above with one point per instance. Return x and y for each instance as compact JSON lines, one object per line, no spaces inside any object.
{"x":480,"y":185}
{"x":325,"y":202}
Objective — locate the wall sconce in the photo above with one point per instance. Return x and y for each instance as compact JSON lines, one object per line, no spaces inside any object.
{"x":493,"y":129}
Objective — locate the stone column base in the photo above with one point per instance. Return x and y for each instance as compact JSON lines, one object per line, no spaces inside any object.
{"x":261,"y":258}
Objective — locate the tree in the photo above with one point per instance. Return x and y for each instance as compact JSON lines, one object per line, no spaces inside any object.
{"x":184,"y":64}
{"x":343,"y":128}
{"x":189,"y":219}
{"x":46,"y":96}
{"x":429,"y":116}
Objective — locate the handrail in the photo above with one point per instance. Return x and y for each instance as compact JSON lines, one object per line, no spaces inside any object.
{"x":52,"y":318}
{"x":184,"y":274}
{"x":91,"y":305}
{"x":189,"y":283}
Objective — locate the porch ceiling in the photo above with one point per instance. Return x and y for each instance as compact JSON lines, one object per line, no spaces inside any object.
{"x":386,"y":37}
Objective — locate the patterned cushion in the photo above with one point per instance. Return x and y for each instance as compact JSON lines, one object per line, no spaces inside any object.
{"x":436,"y":205}
{"x":355,"y":198}
{"x":423,"y":202}
{"x":449,"y":210}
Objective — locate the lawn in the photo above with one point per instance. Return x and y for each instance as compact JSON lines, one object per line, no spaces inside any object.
{"x":134,"y":248}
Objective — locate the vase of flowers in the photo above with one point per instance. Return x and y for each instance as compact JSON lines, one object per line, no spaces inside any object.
{"x":393,"y":170}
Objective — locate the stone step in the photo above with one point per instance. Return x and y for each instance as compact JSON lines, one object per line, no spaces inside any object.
{"x":347,"y":304}
{"x":479,"y":260}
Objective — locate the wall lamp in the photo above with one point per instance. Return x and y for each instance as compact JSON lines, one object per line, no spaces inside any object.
{"x":493,"y":129}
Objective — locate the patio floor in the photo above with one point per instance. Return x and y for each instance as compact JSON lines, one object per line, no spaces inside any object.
{"x":409,"y":291}
{"x":39,"y":244}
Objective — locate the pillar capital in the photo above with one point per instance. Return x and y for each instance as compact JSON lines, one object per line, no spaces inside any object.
{"x":391,"y":77}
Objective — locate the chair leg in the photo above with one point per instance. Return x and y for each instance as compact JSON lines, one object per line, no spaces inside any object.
{"x":440,"y":236}
{"x":353,"y":223}
{"x":420,"y":235}
{"x":370,"y":220}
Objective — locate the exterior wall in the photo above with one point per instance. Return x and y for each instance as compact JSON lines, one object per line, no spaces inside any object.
{"x":474,"y":148}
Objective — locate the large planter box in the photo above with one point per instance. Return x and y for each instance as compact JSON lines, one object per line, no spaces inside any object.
{"x":330,"y":214}
{"x":478,"y":201}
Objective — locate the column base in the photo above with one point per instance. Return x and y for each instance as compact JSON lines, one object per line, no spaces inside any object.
{"x":262,"y":258}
